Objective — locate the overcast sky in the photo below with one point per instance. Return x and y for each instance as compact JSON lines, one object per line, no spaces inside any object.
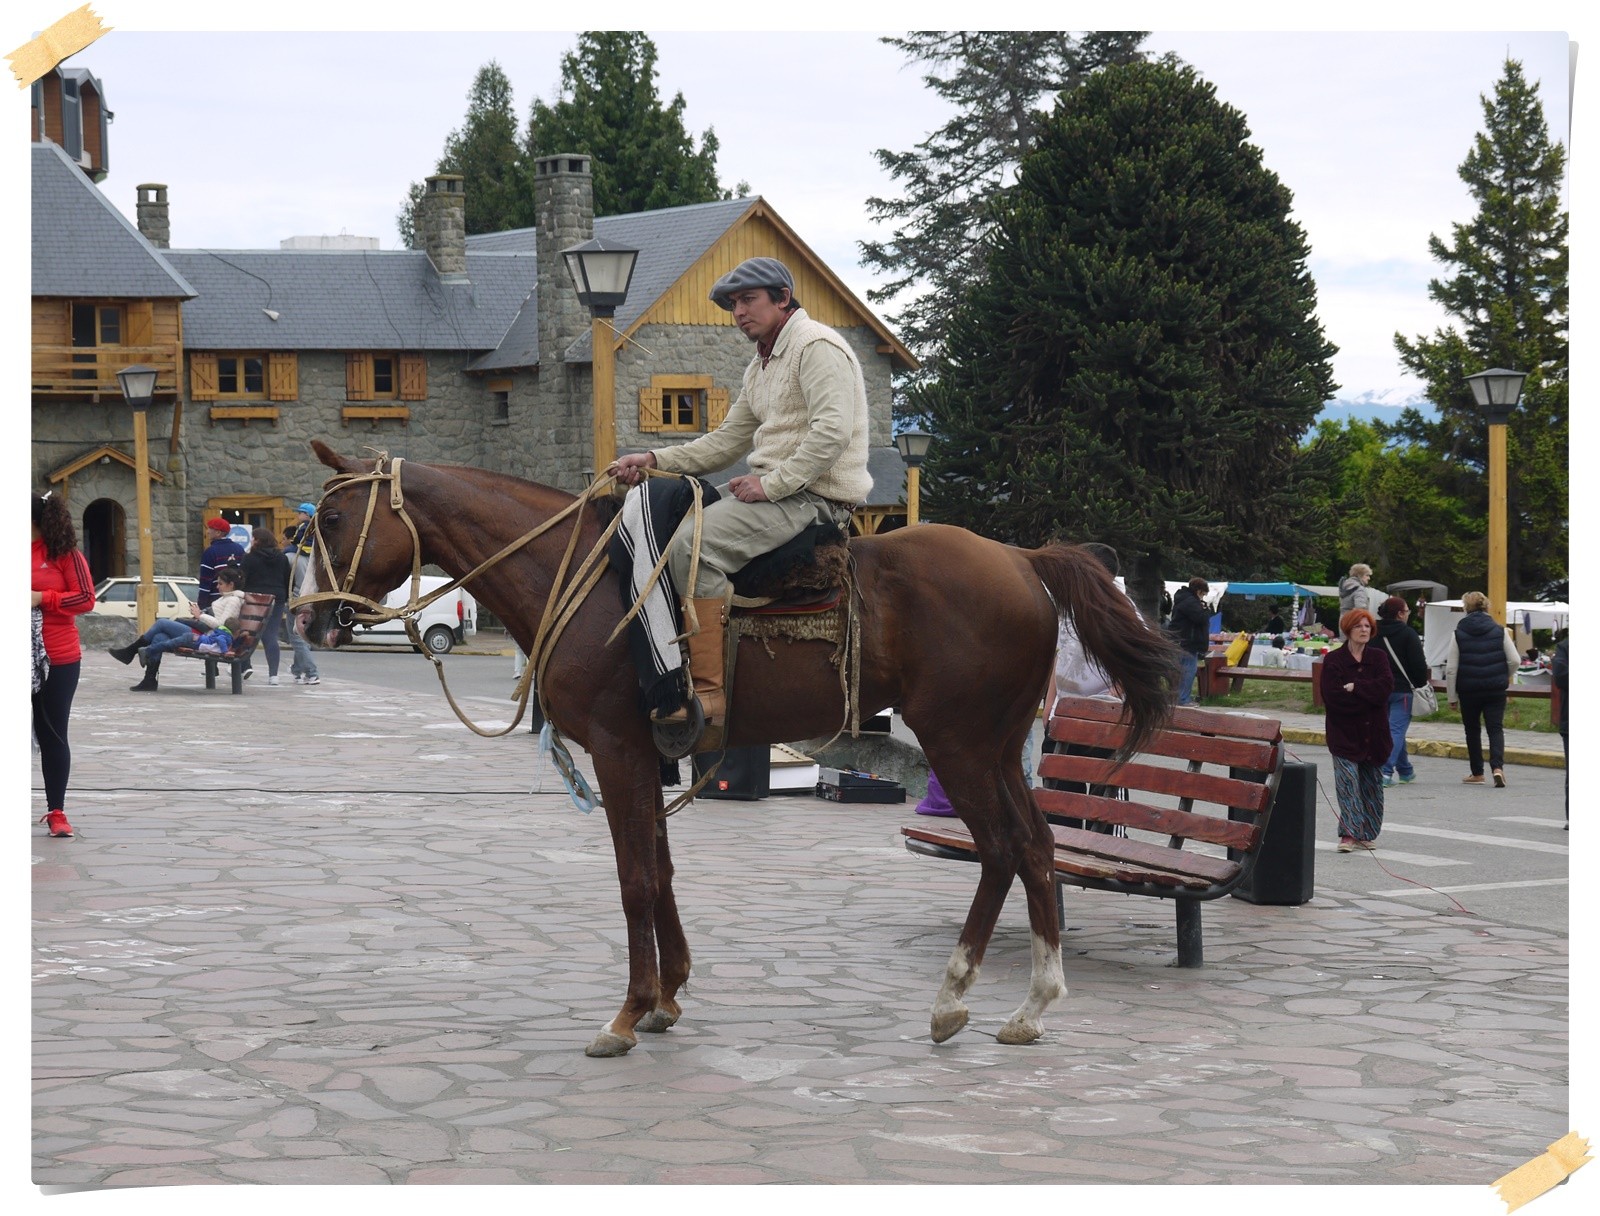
{"x":262,"y":136}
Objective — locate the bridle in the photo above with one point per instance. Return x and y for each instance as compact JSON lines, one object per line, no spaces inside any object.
{"x":566,"y":595}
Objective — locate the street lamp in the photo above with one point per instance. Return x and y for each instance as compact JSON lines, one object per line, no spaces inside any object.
{"x":1497,"y":392}
{"x":601,"y":271}
{"x":138,"y":390}
{"x":913,"y":447}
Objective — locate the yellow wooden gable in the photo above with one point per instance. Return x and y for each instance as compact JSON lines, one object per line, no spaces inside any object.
{"x":760,"y":232}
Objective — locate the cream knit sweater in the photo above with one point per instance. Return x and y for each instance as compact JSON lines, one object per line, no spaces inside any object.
{"x":801,"y":419}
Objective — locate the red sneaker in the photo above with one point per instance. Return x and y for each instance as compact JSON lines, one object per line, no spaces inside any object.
{"x":56,"y":821}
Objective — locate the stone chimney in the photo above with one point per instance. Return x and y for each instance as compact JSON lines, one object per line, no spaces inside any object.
{"x":442,"y":225}
{"x":152,"y":213}
{"x":563,"y":198}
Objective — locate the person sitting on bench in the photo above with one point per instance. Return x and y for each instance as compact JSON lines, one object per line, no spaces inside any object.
{"x":167,"y":635}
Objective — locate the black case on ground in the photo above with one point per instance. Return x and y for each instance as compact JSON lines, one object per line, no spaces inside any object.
{"x":1285,"y":870}
{"x":745,"y":773}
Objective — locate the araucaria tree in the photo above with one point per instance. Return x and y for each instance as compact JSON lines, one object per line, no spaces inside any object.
{"x":483,"y":149}
{"x":997,"y":80}
{"x":1142,"y":356}
{"x":1507,"y":288}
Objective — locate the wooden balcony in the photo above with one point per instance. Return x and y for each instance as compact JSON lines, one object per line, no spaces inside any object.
{"x":90,"y":373}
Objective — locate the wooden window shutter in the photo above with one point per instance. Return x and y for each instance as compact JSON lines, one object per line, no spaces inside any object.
{"x":413,"y":378}
{"x":358,"y":377}
{"x":649,"y":409}
{"x":141,"y":324}
{"x":283,"y":376}
{"x":716,"y":407}
{"x":203,"y":377}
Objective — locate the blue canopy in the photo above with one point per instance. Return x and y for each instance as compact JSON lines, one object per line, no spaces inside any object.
{"x":1285,"y":589}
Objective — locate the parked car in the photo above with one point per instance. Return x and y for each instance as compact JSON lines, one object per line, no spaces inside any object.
{"x":118,"y":596}
{"x":448,"y":621}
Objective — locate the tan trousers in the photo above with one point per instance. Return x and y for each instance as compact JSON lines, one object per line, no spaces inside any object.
{"x":733,"y":533}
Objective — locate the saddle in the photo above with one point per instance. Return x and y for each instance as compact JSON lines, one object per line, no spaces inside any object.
{"x":801,"y":576}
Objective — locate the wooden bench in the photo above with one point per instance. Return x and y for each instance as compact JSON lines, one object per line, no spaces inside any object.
{"x":1188,"y":833}
{"x":252,"y":616}
{"x":1216,"y":671}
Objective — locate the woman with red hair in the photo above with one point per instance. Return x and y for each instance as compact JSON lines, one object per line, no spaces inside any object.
{"x":1356,"y":681}
{"x":62,"y":588}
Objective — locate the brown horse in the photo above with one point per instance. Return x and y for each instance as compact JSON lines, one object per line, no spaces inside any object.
{"x":957,"y":631}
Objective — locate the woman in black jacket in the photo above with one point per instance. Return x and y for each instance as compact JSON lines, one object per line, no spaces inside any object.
{"x":266,"y":571}
{"x":1400,"y":642}
{"x":1478,"y":670}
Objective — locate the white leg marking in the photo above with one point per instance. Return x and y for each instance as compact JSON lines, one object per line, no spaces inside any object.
{"x":1048,"y":982}
{"x":949,"y":1014}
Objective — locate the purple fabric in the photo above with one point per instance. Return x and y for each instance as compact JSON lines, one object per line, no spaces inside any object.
{"x":935,"y":803}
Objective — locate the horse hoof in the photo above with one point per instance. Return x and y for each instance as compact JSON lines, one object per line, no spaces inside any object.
{"x":1015,"y":1034}
{"x":656,"y":1021}
{"x":947,"y":1024}
{"x":607,"y":1044}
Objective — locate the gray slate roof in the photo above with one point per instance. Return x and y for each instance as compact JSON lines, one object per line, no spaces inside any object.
{"x":669,"y":241}
{"x":348,"y":299}
{"x":84,"y":246}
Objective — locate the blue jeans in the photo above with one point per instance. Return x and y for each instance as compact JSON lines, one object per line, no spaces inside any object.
{"x":163,"y":636}
{"x":303,"y":664}
{"x":1399,"y":722}
{"x":1188,"y":664}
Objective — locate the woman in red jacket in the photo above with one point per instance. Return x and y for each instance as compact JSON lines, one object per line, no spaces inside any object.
{"x":1356,"y":681}
{"x":62,"y":588}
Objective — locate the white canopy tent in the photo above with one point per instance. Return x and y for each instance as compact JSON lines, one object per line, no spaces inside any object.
{"x":1439,"y":624}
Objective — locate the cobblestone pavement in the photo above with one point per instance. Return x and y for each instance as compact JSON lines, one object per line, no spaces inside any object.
{"x":349,"y":945}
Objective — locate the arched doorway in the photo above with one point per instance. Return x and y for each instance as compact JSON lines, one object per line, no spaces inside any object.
{"x":104,"y":538}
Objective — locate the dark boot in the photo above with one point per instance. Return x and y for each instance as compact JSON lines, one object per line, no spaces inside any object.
{"x":124,"y":654}
{"x":148,"y":684}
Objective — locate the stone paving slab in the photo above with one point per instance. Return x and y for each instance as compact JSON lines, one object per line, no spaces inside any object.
{"x":380,"y":961}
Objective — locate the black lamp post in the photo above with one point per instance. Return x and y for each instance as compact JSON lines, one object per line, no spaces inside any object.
{"x":913,"y":447}
{"x":601,"y":271}
{"x":138,"y":385}
{"x":1497,"y":392}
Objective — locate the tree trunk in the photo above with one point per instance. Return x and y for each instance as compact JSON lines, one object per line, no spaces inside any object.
{"x":1145,"y":586}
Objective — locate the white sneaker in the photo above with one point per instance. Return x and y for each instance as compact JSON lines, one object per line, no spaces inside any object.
{"x":310,"y":680}
{"x":273,"y":680}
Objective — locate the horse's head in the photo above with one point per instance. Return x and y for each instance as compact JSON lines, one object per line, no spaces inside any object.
{"x":357,"y":529}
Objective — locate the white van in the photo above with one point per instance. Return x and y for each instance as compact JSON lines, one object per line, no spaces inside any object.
{"x":448,"y":620}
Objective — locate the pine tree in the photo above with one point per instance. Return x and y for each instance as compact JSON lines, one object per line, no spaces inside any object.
{"x":608,"y":107}
{"x":1140,"y":358}
{"x":995,"y":79}
{"x":485,"y":151}
{"x":1508,"y":291}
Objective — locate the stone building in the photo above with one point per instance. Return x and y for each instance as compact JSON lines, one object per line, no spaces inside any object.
{"x":470,"y":350}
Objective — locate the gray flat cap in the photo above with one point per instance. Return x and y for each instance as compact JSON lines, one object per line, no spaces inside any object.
{"x":752,"y":272}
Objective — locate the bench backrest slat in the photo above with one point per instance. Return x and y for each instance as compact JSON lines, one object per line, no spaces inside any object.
{"x":252,"y":616}
{"x":1153,"y":779}
{"x":1165,"y":821}
{"x":1184,"y":717}
{"x":1177,"y":744}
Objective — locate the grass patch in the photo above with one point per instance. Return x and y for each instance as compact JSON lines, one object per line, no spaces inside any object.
{"x":1522,"y":713}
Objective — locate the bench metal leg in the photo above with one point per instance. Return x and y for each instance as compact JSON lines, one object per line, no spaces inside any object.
{"x":211,"y":673}
{"x":238,"y":677}
{"x":1061,"y":908}
{"x":1190,"y":951}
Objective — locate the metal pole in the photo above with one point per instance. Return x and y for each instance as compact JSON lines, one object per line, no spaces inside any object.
{"x":605,"y":393}
{"x":145,"y":596}
{"x":1497,"y":521}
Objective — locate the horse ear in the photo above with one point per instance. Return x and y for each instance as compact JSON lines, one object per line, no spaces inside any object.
{"x":336,"y":462}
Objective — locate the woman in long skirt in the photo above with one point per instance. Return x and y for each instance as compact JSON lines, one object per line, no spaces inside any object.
{"x":1356,"y":682}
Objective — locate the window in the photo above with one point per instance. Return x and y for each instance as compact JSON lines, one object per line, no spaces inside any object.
{"x":502,"y":407}
{"x":681,"y":403}
{"x":381,"y":376}
{"x":94,"y":325}
{"x":241,"y":376}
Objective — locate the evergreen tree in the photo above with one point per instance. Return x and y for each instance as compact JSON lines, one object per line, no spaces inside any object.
{"x":995,"y":79}
{"x":1140,"y":359}
{"x":608,"y":107}
{"x":1508,"y":290}
{"x":485,"y":151}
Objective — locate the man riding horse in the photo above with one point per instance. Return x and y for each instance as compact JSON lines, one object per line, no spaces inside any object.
{"x":801,"y":418}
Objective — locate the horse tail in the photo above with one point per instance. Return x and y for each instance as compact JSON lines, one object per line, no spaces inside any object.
{"x":1140,"y":660}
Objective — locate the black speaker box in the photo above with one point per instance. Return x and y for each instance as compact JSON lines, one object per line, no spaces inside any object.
{"x":1285,"y":869}
{"x":745,"y":773}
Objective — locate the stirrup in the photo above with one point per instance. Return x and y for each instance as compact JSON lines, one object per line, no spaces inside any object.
{"x":675,"y":737}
